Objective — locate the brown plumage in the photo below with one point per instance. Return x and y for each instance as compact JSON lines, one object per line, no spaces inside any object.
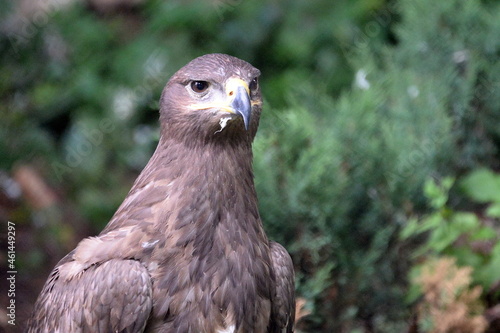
{"x":186,"y":251}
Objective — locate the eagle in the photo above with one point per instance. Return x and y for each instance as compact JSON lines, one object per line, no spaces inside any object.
{"x":186,"y":251}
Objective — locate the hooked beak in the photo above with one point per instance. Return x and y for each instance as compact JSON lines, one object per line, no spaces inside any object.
{"x":239,"y":99}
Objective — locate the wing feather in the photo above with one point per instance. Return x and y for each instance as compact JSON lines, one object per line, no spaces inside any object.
{"x":283,"y":308}
{"x":114,"y":296}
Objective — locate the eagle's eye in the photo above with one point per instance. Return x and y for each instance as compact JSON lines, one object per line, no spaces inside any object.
{"x":254,"y":84}
{"x":199,"y":86}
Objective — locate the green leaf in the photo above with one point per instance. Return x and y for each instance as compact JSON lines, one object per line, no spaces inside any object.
{"x":482,"y":185}
{"x":433,"y":221}
{"x":464,"y":222}
{"x":441,"y":238}
{"x":490,"y":273}
{"x":414,"y":291}
{"x":484,"y":233}
{"x":493,"y":210}
{"x":412,"y":228}
{"x":438,"y":193}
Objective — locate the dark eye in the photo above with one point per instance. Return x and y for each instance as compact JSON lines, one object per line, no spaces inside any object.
{"x":199,"y":86}
{"x":254,"y":84}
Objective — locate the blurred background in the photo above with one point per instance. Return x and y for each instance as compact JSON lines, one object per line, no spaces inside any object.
{"x":377,"y":160}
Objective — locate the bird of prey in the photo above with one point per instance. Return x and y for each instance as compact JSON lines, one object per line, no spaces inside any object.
{"x":186,"y":251}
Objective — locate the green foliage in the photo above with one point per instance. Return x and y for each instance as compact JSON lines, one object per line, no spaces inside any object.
{"x":460,"y":234}
{"x":347,"y":179}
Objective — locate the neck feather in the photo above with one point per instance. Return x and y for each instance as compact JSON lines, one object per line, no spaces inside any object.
{"x":198,"y":185}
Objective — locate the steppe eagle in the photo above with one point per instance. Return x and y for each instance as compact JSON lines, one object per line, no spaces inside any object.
{"x":186,"y":251}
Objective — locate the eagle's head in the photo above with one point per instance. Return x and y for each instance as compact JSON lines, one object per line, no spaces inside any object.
{"x":213,"y":96}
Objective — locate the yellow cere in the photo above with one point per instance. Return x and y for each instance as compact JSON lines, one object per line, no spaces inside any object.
{"x":233,"y":83}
